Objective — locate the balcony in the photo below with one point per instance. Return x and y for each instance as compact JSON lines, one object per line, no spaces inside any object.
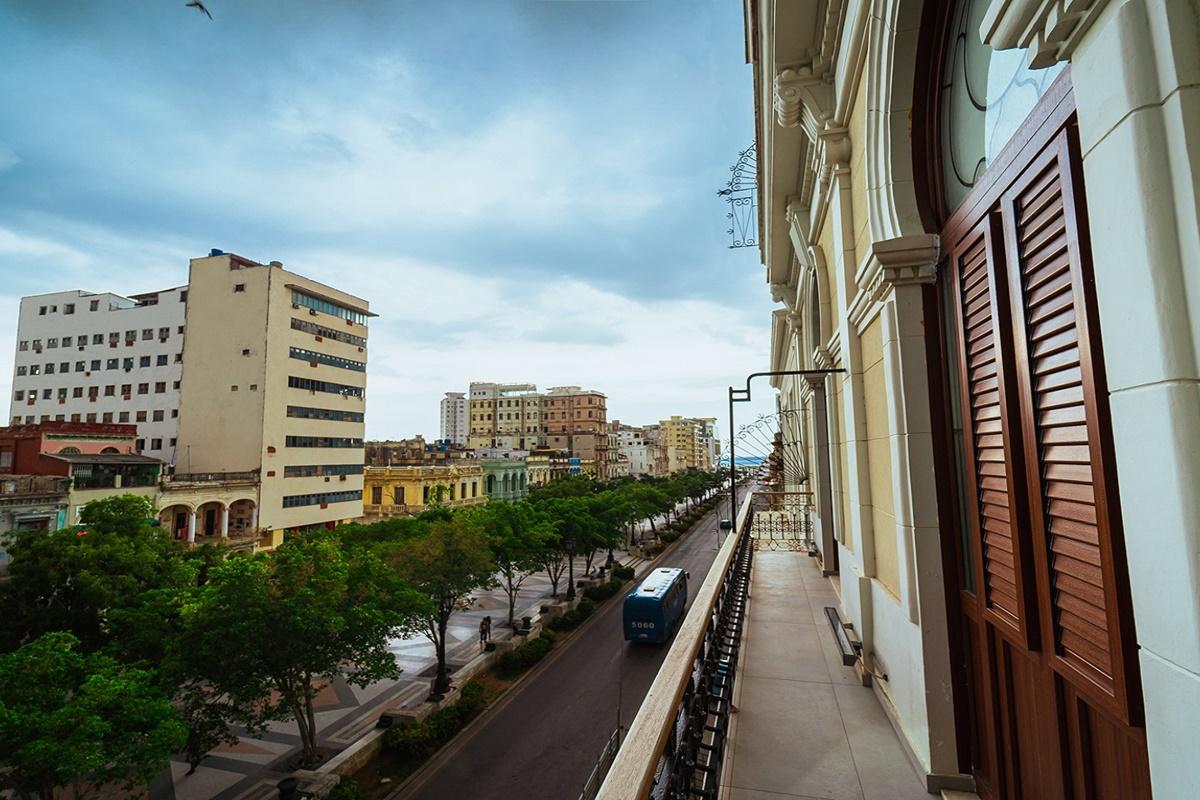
{"x":754,"y":699}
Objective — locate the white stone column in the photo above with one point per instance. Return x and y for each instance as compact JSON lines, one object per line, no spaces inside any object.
{"x":254,"y":519}
{"x":224,"y":522}
{"x":823,"y":489}
{"x":191,"y":536}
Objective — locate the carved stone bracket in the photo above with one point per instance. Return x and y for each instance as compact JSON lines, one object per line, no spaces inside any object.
{"x":904,"y":261}
{"x":822,"y":358}
{"x":1050,"y":29}
{"x":777,"y":291}
{"x":802,"y":98}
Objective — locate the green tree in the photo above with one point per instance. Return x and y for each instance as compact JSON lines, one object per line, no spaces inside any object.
{"x":518,"y":537}
{"x":80,"y":722}
{"x":443,"y":567}
{"x":74,"y":581}
{"x":270,"y":631}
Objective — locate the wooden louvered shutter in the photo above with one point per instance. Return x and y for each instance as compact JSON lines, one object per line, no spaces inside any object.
{"x":997,"y":490}
{"x":1078,"y":546}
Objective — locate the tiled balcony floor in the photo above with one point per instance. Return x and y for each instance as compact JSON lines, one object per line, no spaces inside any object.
{"x":806,"y":728}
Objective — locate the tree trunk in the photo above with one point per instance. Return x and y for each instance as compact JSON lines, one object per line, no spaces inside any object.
{"x":512,"y":597}
{"x":442,"y":683}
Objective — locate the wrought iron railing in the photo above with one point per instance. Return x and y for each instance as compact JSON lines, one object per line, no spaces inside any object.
{"x":676,"y":743}
{"x":212,"y":477}
{"x":786,"y":522}
{"x":592,"y":785}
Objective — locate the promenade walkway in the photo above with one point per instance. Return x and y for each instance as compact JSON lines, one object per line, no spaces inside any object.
{"x":806,"y":728}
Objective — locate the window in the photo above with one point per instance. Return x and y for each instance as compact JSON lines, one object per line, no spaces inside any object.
{"x":42,"y":311}
{"x":245,"y":351}
{"x":318,"y":470}
{"x":98,"y":338}
{"x":140,"y":445}
{"x":37,"y":345}
{"x":322,"y":441}
{"x":156,"y":444}
{"x":123,"y":416}
{"x":143,"y":388}
{"x":183,"y":299}
{"x":239,"y":287}
{"x":19,"y":394}
{"x":160,"y":387}
{"x":147,"y":333}
{"x":324,"y":386}
{"x":22,"y":370}
{"x":327,"y":333}
{"x":114,"y":337}
{"x":164,"y":333}
{"x":305,"y":412}
{"x":172,"y":442}
{"x":127,"y":364}
{"x":175,"y":385}
{"x":81,"y":366}
{"x":317,"y":304}
{"x":174,"y":413}
{"x":29,"y":420}
{"x":144,"y":361}
{"x":66,"y":341}
{"x":112,"y":363}
{"x":68,"y":308}
{"x":107,"y":417}
{"x":141,"y":416}
{"x":76,"y":418}
{"x":161,"y":360}
{"x":6,"y":458}
{"x":157,"y":416}
{"x":180,"y":329}
{"x":24,"y":345}
{"x":46,"y":393}
{"x":323,"y":358}
{"x":233,"y":388}
{"x":93,"y":391}
{"x":295,"y":500}
{"x":126,"y":389}
{"x":130,"y":336}
{"x":49,"y":369}
{"x":178,"y":357}
{"x":90,"y":418}
{"x":77,"y":391}
{"x":376,"y":491}
{"x":95,"y":365}
{"x":94,"y":305}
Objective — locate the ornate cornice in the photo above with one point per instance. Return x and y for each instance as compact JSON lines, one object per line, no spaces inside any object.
{"x":802,"y":98}
{"x":1049,"y":29}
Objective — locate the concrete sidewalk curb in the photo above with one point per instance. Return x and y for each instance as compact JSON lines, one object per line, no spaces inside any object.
{"x":447,"y":752}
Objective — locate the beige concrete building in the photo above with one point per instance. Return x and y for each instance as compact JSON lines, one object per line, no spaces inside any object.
{"x":505,"y":415}
{"x":577,"y":421}
{"x":274,"y":382}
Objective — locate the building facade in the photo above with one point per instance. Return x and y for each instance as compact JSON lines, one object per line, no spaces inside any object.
{"x":274,"y":382}
{"x":982,"y":217}
{"x":410,"y":490}
{"x":505,"y":415}
{"x":102,"y":358}
{"x":576,"y":420}
{"x":454,"y":426}
{"x":506,"y":478}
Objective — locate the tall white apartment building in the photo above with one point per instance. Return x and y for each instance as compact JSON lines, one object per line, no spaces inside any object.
{"x":102,"y":357}
{"x":454,"y":418}
{"x":632,"y":445}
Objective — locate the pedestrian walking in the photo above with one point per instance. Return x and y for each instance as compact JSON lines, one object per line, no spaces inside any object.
{"x":483,"y":632}
{"x":487,"y":636}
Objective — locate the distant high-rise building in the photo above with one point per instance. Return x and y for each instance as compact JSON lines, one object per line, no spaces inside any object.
{"x":454,"y":418}
{"x":577,"y":420}
{"x":505,"y":415}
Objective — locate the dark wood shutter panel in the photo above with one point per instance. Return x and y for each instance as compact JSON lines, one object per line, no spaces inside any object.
{"x":1062,"y":430}
{"x":982,"y":306}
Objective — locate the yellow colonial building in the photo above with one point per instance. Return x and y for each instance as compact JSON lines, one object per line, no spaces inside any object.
{"x":407,"y":491}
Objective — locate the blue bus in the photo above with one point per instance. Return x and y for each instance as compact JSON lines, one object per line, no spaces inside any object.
{"x":654,"y":609}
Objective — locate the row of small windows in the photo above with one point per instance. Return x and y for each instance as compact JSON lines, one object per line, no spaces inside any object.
{"x":81,"y":340}
{"x":305,"y":412}
{"x":321,"y":498}
{"x":323,"y":441}
{"x":324,"y":386}
{"x":321,"y":470}
{"x":106,"y":418}
{"x":317,"y":304}
{"x":93,"y":305}
{"x":160,"y":387}
{"x":327,"y":333}
{"x":94,"y":365}
{"x":324,"y":358}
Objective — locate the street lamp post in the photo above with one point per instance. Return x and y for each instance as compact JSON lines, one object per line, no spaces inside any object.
{"x":743,"y":396}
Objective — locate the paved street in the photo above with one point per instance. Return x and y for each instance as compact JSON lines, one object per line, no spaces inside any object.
{"x":544,"y":741}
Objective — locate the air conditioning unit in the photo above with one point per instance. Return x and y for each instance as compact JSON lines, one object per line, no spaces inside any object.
{"x":341,"y":477}
{"x":112,"y":344}
{"x":312,"y":312}
{"x":126,"y":397}
{"x":295,"y":305}
{"x":319,"y":339}
{"x":81,"y":348}
{"x":62,"y":401}
{"x":360,"y":349}
{"x":91,"y":398}
{"x":327,"y":479}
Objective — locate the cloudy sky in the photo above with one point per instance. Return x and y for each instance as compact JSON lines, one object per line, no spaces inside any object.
{"x":524,"y":191}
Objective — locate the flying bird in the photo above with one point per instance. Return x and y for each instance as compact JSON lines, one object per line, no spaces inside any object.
{"x":196,"y":4}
